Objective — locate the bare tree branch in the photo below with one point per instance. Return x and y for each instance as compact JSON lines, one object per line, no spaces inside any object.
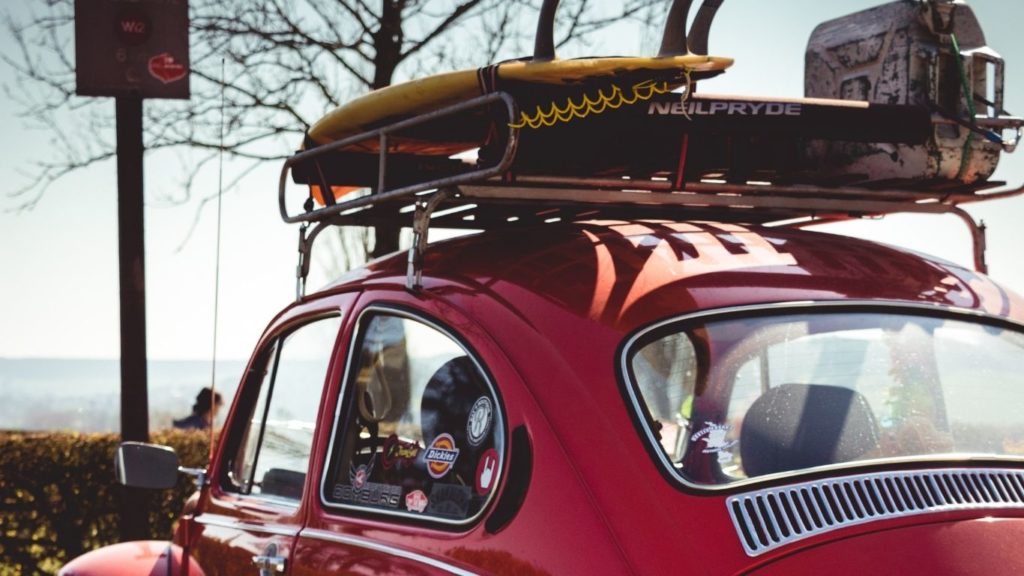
{"x":286,"y":61}
{"x":445,"y":24}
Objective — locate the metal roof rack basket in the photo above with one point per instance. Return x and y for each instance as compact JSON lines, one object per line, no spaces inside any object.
{"x":482,"y":163}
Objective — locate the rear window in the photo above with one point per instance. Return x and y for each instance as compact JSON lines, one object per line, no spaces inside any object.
{"x":735,"y":399}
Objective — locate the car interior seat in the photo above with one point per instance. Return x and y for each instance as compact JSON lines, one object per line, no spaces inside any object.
{"x":797,"y":426}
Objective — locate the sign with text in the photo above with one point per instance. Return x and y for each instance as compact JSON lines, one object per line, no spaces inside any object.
{"x":132,"y":47}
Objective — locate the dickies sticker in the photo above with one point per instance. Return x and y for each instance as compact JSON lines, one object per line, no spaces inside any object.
{"x":441,"y":455}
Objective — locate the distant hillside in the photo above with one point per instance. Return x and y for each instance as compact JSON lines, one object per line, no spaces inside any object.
{"x":84,"y":395}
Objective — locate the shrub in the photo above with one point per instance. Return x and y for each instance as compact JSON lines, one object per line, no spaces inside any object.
{"x":59,"y":499}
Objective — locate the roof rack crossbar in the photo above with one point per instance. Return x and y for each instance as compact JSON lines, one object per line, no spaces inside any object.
{"x":851,"y":206}
{"x":765,"y":189}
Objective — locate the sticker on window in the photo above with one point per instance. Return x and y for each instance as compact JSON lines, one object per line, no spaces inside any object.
{"x":399,"y":453}
{"x":486,"y":471}
{"x":478,"y":425}
{"x":416,"y":501}
{"x":450,"y":500}
{"x":362,"y":491}
{"x":713,"y":436}
{"x":441,"y":455}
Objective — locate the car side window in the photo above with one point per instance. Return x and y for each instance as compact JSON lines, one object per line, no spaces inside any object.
{"x":420,"y":432}
{"x":272,"y":447}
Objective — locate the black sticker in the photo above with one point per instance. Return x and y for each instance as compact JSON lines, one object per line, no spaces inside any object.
{"x":450,"y":500}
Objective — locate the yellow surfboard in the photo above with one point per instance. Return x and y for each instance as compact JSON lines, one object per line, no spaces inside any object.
{"x":433,"y":92}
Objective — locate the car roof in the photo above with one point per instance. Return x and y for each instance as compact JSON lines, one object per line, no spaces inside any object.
{"x":628,"y":273}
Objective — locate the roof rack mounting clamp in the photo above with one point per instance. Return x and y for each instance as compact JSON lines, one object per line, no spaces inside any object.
{"x":977,"y":237}
{"x":420,"y":235}
{"x":305,"y":252}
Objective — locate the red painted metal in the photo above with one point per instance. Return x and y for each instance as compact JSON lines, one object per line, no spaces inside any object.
{"x":547,"y":312}
{"x":988,"y":546}
{"x":144,"y":557}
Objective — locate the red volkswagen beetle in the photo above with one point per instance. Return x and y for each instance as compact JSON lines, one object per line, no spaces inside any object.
{"x":622,"y":374}
{"x":629,"y":397}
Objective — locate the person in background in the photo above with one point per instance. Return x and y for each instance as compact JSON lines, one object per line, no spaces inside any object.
{"x":204,"y":411}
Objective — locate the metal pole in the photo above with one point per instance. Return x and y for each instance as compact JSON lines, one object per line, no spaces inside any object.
{"x":134,"y":401}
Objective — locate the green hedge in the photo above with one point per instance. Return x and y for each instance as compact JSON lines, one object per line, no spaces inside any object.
{"x":58,"y":496}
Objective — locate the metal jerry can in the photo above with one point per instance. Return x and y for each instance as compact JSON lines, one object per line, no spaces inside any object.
{"x":926,"y":52}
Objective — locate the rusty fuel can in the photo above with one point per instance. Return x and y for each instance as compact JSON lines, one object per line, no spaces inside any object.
{"x":930,"y":53}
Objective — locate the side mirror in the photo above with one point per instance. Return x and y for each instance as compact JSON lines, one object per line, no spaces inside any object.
{"x":141,"y":465}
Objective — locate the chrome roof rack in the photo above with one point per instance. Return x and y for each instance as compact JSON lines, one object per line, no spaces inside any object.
{"x":685,"y":155}
{"x":451,"y":193}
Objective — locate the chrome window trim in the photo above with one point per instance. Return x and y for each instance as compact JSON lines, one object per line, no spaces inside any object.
{"x":886,"y":495}
{"x":398,"y":311}
{"x":229,"y":522}
{"x":777,"y":308}
{"x":366,"y":544}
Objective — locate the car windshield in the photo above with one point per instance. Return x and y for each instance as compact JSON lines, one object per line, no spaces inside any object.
{"x":739,"y":398}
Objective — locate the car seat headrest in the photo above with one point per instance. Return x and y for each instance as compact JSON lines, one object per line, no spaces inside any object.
{"x":797,"y":426}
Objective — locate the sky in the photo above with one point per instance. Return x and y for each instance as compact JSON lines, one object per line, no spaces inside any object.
{"x":58,"y":261}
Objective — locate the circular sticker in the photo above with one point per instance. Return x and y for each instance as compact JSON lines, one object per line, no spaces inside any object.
{"x":487,"y":472}
{"x":441,"y":455}
{"x":479,"y":422}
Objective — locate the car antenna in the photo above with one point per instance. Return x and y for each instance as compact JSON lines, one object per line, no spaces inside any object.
{"x":216,"y":272}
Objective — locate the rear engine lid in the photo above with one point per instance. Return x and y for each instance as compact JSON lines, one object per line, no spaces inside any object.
{"x":989,"y":546}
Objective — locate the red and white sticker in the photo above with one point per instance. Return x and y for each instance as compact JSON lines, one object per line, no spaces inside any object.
{"x":441,"y":455}
{"x":166,"y":69}
{"x":416,"y":501}
{"x":487,"y":472}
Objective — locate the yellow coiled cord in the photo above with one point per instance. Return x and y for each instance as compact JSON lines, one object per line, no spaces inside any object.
{"x":601,"y":103}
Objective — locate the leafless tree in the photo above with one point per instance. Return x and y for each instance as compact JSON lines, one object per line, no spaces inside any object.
{"x":286,"y":62}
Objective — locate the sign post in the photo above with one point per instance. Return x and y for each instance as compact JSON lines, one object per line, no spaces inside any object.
{"x":132,"y":50}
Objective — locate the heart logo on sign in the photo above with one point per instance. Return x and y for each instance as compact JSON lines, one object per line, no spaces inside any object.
{"x":166,"y":69}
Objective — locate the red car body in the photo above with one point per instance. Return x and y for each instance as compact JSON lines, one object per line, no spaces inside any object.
{"x":548,"y":313}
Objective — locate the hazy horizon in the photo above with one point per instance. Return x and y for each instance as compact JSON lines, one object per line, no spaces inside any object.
{"x":83,"y":394}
